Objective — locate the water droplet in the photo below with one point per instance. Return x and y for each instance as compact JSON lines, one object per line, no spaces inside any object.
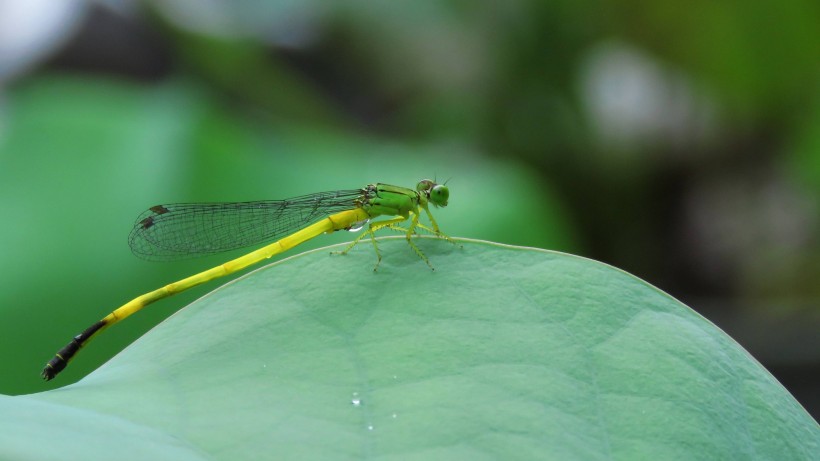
{"x":357,"y":226}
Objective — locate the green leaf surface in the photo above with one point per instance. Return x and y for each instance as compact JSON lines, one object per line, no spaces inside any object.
{"x":500,"y":353}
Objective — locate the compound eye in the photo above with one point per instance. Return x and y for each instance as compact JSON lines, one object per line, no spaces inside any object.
{"x":439,"y":195}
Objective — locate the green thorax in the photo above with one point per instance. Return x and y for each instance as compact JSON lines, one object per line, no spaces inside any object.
{"x":384,"y":199}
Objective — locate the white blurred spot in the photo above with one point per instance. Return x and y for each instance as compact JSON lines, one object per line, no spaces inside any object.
{"x":30,"y":30}
{"x":633,"y":100}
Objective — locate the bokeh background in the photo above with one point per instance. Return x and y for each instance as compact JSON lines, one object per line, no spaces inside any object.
{"x":679,"y":141}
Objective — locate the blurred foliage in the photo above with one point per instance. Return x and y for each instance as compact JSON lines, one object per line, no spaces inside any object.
{"x":678,"y":141}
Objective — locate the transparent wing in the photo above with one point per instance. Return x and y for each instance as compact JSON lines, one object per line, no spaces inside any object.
{"x":187,"y":230}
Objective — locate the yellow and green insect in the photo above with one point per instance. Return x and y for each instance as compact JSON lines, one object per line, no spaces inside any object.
{"x":184,"y":230}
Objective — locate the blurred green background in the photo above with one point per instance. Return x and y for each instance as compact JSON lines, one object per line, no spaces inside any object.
{"x":677,"y":141}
